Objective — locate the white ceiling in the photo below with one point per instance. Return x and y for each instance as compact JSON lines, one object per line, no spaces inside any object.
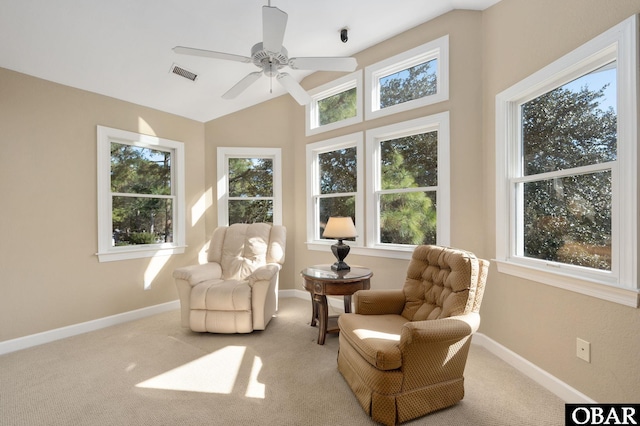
{"x":122,"y":48}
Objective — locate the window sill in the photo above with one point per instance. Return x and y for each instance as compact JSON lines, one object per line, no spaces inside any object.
{"x":623,"y":296}
{"x":138,"y":252}
{"x":403,"y":253}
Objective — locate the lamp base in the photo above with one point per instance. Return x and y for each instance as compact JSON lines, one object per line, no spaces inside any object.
{"x":340,"y":266}
{"x":340,"y":251}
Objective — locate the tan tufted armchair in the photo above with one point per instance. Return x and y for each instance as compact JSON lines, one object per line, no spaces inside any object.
{"x":403,"y":352}
{"x":236,"y":291}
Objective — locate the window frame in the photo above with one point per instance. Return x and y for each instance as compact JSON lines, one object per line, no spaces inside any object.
{"x":620,"y":285}
{"x":437,"y":122}
{"x":314,"y":241}
{"x":224,"y":154}
{"x":334,"y":87}
{"x":107,"y":252}
{"x":436,"y":49}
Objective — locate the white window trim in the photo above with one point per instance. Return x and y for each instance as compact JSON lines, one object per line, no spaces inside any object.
{"x":314,"y":242}
{"x":440,"y":124}
{"x":436,"y":49}
{"x":326,"y":90}
{"x":621,"y":285}
{"x":106,"y":252}
{"x":224,"y":153}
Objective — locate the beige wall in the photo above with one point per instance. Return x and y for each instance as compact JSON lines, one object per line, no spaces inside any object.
{"x":49,"y":274}
{"x":50,"y":277}
{"x":539,"y":322}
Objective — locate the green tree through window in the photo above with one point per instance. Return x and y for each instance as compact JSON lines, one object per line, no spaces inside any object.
{"x":250,"y":190}
{"x":413,"y":83}
{"x":142,"y":202}
{"x":337,"y":107}
{"x":338,"y":184}
{"x":409,"y":174}
{"x":567,"y":216}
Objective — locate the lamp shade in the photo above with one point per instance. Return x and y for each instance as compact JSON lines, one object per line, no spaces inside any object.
{"x":339,"y":228}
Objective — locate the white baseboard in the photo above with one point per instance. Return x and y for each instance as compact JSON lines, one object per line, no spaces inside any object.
{"x":73,"y":330}
{"x":540,"y":376}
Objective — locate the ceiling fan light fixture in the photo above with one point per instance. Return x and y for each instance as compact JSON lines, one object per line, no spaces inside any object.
{"x":270,"y":56}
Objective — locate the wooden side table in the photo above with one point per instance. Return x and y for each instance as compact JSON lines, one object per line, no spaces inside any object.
{"x":321,"y":281}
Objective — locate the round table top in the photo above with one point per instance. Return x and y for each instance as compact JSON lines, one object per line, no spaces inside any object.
{"x":324,"y":272}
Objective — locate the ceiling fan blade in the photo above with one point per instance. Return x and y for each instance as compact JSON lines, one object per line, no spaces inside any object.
{"x":210,"y":54}
{"x":294,"y":89}
{"x":274,"y":22}
{"x":242,"y":85}
{"x":324,"y":64}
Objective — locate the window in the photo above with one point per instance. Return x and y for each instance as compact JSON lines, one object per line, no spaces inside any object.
{"x":407,"y":192}
{"x":334,"y":183}
{"x":566,"y":175}
{"x":334,"y":105}
{"x":409,"y":80}
{"x":140,"y":195}
{"x":249,"y":185}
{"x":408,"y":188}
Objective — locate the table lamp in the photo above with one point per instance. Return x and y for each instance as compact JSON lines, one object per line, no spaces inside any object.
{"x":340,"y":228}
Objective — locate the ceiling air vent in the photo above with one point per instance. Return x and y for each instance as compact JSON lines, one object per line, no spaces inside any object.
{"x":183,"y":72}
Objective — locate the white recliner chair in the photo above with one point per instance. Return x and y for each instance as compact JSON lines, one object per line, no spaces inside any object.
{"x":236,"y":291}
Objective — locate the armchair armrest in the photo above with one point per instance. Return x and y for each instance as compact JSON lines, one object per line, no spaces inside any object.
{"x":448,"y":330}
{"x":195,"y":274}
{"x":264,"y":294}
{"x":378,"y":302}
{"x":264,"y":273}
{"x":439,"y":345}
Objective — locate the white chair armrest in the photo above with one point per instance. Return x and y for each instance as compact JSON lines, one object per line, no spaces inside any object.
{"x":195,"y":274}
{"x":264,"y":273}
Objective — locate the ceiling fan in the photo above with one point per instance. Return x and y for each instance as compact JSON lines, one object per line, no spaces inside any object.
{"x":271,"y":56}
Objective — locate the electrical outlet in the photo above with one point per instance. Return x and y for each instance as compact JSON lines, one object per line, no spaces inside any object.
{"x":583,"y":349}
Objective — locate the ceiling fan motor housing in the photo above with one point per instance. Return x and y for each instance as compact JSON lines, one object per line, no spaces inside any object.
{"x":269,"y":62}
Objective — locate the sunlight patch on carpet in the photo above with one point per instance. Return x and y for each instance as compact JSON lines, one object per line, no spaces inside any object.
{"x":213,"y":373}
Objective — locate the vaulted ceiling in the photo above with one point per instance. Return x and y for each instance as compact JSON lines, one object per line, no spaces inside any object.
{"x":123,"y":48}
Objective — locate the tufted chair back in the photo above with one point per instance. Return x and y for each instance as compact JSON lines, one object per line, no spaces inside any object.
{"x":438,"y":285}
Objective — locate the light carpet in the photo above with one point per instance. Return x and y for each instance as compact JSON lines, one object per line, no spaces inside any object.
{"x":153,"y":372}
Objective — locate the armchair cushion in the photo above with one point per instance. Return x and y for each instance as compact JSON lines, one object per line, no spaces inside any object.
{"x":375,"y":337}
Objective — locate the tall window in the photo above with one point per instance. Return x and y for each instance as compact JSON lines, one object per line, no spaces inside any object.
{"x":249,"y":186}
{"x":334,"y":182}
{"x":408,"y":189}
{"x":566,"y":200}
{"x":409,"y":80}
{"x":140,"y":195}
{"x":335,"y":104}
{"x":569,"y":147}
